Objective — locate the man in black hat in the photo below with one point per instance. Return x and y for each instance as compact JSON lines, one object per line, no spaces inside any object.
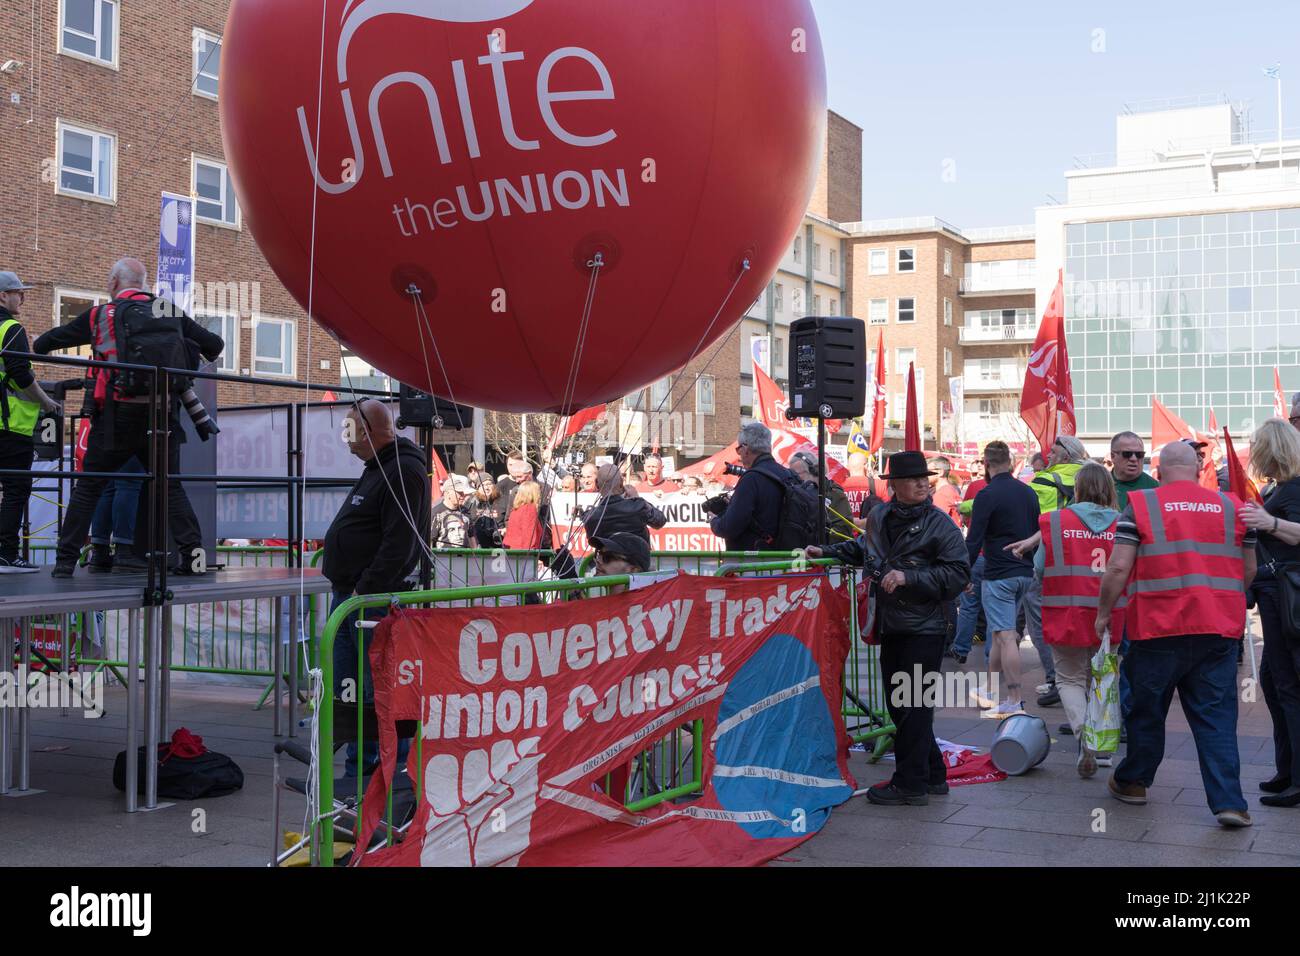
{"x":917,"y":559}
{"x":623,"y":552}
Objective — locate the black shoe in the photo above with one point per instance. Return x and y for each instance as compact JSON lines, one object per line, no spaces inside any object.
{"x":959,"y":658}
{"x":1065,"y":730}
{"x":128,"y":563}
{"x":888,"y":795}
{"x":185,"y":571}
{"x":101,"y":559}
{"x":1290,"y":797}
{"x":64,"y":569}
{"x":939,"y":789}
{"x":1051,"y":699}
{"x":1276,"y":785}
{"x":1123,"y":735}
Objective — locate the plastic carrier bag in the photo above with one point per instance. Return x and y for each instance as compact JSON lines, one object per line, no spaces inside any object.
{"x":1101,"y":721}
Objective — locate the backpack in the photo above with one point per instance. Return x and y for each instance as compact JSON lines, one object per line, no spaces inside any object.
{"x":187,"y":770}
{"x":797,"y":525}
{"x":149,"y":332}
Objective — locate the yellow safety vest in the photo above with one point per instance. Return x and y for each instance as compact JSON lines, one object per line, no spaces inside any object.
{"x":17,"y":415}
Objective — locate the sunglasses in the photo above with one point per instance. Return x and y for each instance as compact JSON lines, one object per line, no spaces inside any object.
{"x":1130,"y":454}
{"x":608,"y":557}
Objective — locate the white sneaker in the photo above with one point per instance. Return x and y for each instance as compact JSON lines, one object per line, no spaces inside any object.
{"x":1004,"y":709}
{"x":1104,"y":760}
{"x":979,"y":700}
{"x":17,"y":566}
{"x":1043,"y":688}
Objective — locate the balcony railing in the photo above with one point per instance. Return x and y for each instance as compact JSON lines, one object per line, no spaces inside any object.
{"x":997,"y":333}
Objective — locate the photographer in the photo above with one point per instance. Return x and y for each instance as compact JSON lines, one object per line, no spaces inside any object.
{"x":750,"y":519}
{"x":619,"y":509}
{"x":917,"y":560}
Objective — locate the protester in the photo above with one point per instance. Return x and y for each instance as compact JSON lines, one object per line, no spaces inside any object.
{"x":619,"y":508}
{"x":691,"y":485}
{"x":622,"y":552}
{"x":1054,"y":486}
{"x":1190,"y":559}
{"x":375,"y":540}
{"x":839,"y":513}
{"x":452,"y":523}
{"x":1127,"y":452}
{"x":654,"y":478}
{"x":1070,"y":550}
{"x":1005,"y":512}
{"x":569,"y":484}
{"x":119,"y":428}
{"x":112,"y":529}
{"x":918,"y":551}
{"x":861,"y":488}
{"x":22,"y":400}
{"x":751,"y":518}
{"x":946,"y":494}
{"x":1275,"y":454}
{"x":587,"y":477}
{"x":518,"y":471}
{"x":524,"y":527}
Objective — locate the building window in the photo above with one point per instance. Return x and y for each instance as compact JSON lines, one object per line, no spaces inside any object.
{"x":207,"y":63}
{"x":273,"y":346}
{"x":86,"y":163}
{"x":947,"y":361}
{"x":780,"y":297}
{"x":704,"y":403}
{"x":878,"y":262}
{"x":872,"y":354}
{"x":947,"y":262}
{"x":905,"y":357}
{"x":907,"y":259}
{"x":817,"y":305}
{"x":226,"y":325}
{"x":947,"y":311}
{"x":835,"y":263}
{"x":817,"y":255}
{"x":798,"y":302}
{"x":907,"y":310}
{"x":877,"y":311}
{"x":214,"y":193}
{"x":69,"y":304}
{"x":88,"y":30}
{"x":835,"y":306}
{"x":635,"y":401}
{"x":798,"y":248}
{"x":778,"y":353}
{"x":660,"y":393}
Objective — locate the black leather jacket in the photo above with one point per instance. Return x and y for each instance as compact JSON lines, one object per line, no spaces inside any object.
{"x":932,"y":556}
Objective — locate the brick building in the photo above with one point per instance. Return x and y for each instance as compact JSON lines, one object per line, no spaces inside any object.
{"x":957,"y":304}
{"x":108,"y":105}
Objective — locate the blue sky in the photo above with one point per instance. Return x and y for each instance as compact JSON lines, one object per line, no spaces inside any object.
{"x":1011,"y":91}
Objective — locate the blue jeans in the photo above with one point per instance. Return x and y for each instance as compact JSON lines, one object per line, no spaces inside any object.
{"x":345,"y":668}
{"x":1203,"y":669}
{"x":115,"y":513}
{"x":968,"y":611}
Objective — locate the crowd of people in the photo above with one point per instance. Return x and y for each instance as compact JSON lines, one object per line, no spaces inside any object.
{"x":1074,"y":551}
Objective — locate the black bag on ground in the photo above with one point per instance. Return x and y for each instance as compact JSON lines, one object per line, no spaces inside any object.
{"x":186,"y":770}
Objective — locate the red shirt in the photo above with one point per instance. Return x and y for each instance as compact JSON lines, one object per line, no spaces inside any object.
{"x":666,"y":486}
{"x":524,"y":529}
{"x":946,"y":498}
{"x":974,"y":488}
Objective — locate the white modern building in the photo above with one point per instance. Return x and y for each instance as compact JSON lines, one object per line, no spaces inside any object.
{"x":1181,"y":259}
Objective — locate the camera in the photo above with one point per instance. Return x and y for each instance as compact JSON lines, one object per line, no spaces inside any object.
{"x":717,"y":504}
{"x":733,"y":469}
{"x":204,"y":426}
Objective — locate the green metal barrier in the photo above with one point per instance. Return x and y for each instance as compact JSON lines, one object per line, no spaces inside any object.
{"x":697,"y":562}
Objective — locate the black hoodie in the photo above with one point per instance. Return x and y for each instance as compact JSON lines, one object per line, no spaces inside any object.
{"x":371,"y":545}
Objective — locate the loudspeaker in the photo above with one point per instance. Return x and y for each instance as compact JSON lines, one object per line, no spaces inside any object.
{"x":417,"y":409}
{"x":828,"y":367}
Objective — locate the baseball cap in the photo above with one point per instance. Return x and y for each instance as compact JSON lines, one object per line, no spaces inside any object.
{"x":632,"y":546}
{"x":9,"y":282}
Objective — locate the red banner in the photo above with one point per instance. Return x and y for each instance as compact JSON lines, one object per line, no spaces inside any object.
{"x":878,"y":398}
{"x":1047,"y":400}
{"x":524,"y":711}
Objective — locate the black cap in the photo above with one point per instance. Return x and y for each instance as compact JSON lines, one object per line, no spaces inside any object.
{"x":908,"y":464}
{"x":632,"y":546}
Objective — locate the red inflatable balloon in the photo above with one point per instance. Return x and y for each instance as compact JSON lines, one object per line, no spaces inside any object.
{"x":479,"y":160}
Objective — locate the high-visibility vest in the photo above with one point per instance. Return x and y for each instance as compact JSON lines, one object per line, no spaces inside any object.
{"x":1188,"y":576}
{"x":1074,"y":560}
{"x":17,"y":414}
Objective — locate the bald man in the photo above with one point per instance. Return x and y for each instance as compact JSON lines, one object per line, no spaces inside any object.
{"x":1186,"y":559}
{"x":375,"y":541}
{"x":119,"y":425}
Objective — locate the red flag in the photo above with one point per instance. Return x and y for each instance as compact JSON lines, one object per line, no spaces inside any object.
{"x":912,"y":424}
{"x":878,"y":400}
{"x":439,"y":475}
{"x":570,"y":425}
{"x":1047,"y":400}
{"x":1238,"y":483}
{"x":1279,"y":398}
{"x":1167,"y":427}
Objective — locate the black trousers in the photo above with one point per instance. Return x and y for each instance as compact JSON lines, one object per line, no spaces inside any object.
{"x":919,"y":761}
{"x":107,"y":451}
{"x":1279,"y":678}
{"x":16,"y":451}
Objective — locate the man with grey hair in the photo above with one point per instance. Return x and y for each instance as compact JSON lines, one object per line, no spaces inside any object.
{"x":119,"y":429}
{"x":751,"y":520}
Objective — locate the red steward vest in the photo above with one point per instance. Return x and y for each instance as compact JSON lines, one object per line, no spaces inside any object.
{"x":1188,"y":576}
{"x":1075,"y":559}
